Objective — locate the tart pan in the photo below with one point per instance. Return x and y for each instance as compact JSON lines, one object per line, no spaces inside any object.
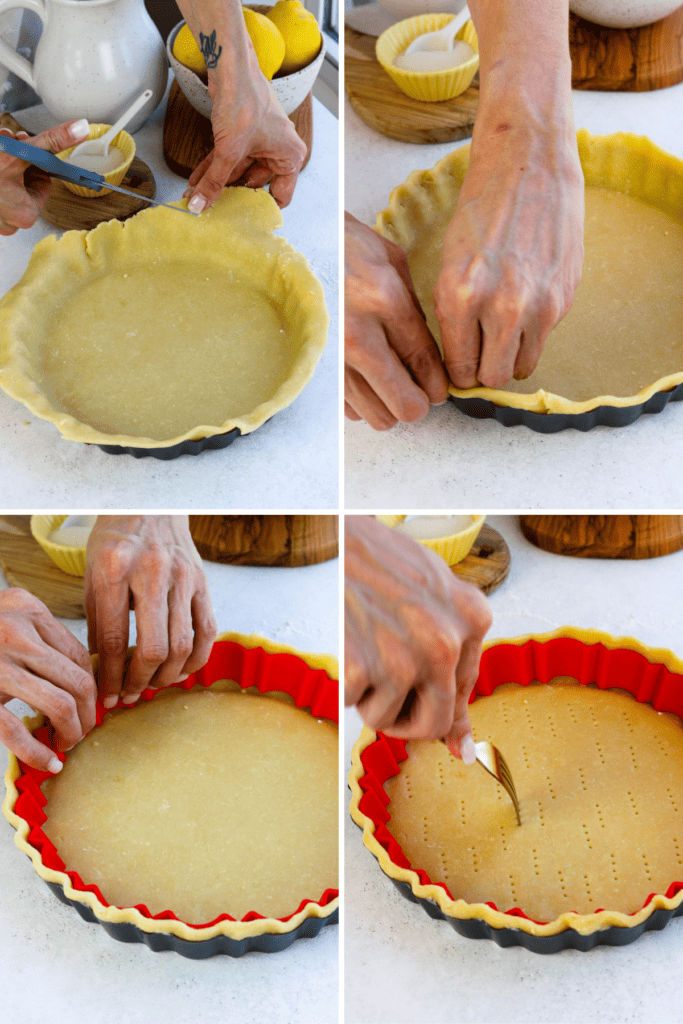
{"x":235,"y":237}
{"x":622,"y":162}
{"x":216,"y":441}
{"x":653,"y":676}
{"x":553,"y":422}
{"x":251,"y":661}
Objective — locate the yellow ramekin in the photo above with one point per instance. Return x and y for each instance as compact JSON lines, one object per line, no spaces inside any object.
{"x":452,"y":549}
{"x":124,"y":141}
{"x":428,"y":86}
{"x":71,"y":560}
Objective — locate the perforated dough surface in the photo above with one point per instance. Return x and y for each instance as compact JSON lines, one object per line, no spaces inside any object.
{"x":600,"y":783}
{"x":202,"y":803}
{"x":625,"y":329}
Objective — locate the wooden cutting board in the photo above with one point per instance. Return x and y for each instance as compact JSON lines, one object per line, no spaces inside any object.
{"x":382,"y":105}
{"x":488,"y":563}
{"x":25,"y":564}
{"x":266,"y":540}
{"x":605,"y":536}
{"x":188,"y":136}
{"x":66,"y":210}
{"x":627,"y":60}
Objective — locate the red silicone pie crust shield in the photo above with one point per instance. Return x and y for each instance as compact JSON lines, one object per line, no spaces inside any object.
{"x":535,"y":660}
{"x":266,"y":670}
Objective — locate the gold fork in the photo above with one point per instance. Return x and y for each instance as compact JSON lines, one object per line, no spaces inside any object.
{"x":490,"y":758}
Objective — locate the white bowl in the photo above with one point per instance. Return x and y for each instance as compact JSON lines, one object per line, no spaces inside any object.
{"x":623,"y":13}
{"x":291,"y":90}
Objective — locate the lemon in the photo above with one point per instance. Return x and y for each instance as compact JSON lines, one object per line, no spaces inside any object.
{"x":267,"y":41}
{"x":300,"y":32}
{"x":186,"y":51}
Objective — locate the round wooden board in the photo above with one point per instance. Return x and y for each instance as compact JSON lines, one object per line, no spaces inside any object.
{"x":488,"y":563}
{"x":188,"y":135}
{"x":627,"y":60}
{"x":605,"y":536}
{"x":25,"y":564}
{"x":66,"y":210}
{"x":266,"y":540}
{"x":382,"y":105}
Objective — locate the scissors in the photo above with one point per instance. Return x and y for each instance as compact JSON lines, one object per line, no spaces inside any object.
{"x":57,"y":168}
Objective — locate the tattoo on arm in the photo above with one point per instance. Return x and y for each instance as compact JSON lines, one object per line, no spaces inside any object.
{"x":208,"y":48}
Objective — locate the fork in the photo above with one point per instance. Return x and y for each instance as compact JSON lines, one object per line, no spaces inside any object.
{"x":490,"y":758}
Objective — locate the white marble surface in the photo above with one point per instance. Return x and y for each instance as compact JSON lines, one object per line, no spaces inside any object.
{"x":58,"y":967}
{"x":452,"y":460}
{"x":290,"y":462}
{"x":402,"y":967}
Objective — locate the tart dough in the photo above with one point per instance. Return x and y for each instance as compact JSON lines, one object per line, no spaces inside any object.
{"x":164,"y":327}
{"x":203,"y":803}
{"x":623,"y":337}
{"x":599,"y":777}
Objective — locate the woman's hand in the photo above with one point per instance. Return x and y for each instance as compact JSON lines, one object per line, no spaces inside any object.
{"x":254,"y":141}
{"x":414,"y":635}
{"x":512,"y":255}
{"x":44,"y":665}
{"x":24,"y":189}
{"x":513,"y":252}
{"x":148,"y":563}
{"x":393,"y":369}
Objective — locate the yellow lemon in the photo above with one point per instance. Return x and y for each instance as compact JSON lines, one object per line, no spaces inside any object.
{"x":267,"y":41}
{"x":186,"y":51}
{"x":300,"y":31}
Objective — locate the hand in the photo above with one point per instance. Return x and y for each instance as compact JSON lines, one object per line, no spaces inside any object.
{"x":253,"y":139}
{"x":393,"y":369}
{"x":24,"y":189}
{"x":414,"y":635}
{"x":512,"y":255}
{"x":44,"y":665}
{"x":151,"y":564}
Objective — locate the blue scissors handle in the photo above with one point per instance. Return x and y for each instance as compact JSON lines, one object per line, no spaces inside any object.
{"x":50,"y":163}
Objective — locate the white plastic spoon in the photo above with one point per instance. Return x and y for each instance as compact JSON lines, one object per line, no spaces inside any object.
{"x":443,"y":39}
{"x":100,"y":147}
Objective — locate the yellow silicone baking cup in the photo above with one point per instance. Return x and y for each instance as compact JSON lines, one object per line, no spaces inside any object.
{"x":452,"y":549}
{"x":428,"y":86}
{"x":626,"y":163}
{"x":124,"y":141}
{"x":71,"y":560}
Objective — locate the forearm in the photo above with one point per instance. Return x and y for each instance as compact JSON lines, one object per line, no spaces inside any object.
{"x":232,"y":58}
{"x":525,"y":66}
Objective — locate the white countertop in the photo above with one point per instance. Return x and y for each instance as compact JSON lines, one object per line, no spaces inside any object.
{"x":402,"y":967}
{"x":450,"y":460}
{"x":56,"y":967}
{"x":290,"y":462}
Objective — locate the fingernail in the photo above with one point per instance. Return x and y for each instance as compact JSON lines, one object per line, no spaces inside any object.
{"x":55,"y":765}
{"x":22,"y":135}
{"x":467,"y":751}
{"x":197,"y":203}
{"x":109,"y":702}
{"x":79,"y":129}
{"x":130,"y":699}
{"x":181,"y":679}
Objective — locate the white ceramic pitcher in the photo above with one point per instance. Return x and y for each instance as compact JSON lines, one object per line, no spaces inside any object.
{"x":93,"y":58}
